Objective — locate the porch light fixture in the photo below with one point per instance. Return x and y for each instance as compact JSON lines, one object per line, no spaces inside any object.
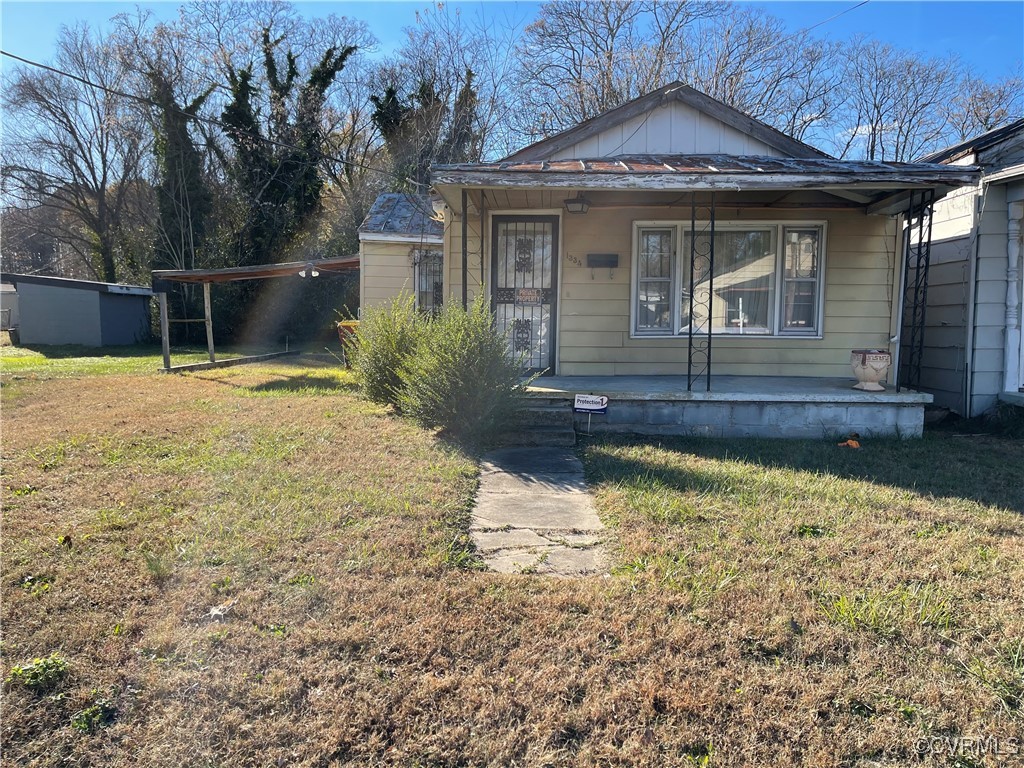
{"x":310,"y":270}
{"x":578,"y":204}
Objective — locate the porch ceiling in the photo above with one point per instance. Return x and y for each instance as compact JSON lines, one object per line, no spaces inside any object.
{"x":882,"y":188}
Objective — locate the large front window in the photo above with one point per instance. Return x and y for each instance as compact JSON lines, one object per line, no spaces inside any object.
{"x":758,"y":287}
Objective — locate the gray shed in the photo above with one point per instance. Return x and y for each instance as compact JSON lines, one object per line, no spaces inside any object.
{"x":57,"y":310}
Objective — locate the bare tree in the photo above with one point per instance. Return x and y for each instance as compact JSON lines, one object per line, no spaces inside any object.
{"x":581,"y":58}
{"x":979,"y":106}
{"x":745,"y":58}
{"x":80,"y":150}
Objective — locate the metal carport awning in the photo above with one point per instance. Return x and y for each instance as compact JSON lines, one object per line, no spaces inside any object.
{"x":163,"y":278}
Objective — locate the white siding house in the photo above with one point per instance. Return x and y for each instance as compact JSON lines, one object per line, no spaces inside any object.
{"x":972,"y":353}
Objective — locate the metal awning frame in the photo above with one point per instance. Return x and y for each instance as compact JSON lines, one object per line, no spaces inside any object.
{"x":163,"y":278}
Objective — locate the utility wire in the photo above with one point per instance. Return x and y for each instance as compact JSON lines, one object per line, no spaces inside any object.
{"x":200,"y":118}
{"x":799,"y":32}
{"x":753,"y":55}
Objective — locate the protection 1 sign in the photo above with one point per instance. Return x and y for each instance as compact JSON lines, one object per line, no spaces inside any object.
{"x":590,"y":404}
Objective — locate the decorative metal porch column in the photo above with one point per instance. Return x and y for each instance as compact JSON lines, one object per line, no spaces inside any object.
{"x":702,"y":267}
{"x":917,"y":254}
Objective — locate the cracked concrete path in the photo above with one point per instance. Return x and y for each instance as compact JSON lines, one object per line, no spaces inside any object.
{"x":534,"y":514}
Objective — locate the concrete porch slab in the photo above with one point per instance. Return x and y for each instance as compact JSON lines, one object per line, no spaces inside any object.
{"x":739,"y":406}
{"x":787,"y":389}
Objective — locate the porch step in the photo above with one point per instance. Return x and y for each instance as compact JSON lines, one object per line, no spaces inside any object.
{"x":547,"y":415}
{"x":543,"y":425}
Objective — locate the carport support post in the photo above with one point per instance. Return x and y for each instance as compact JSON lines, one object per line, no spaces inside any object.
{"x":165,"y":334}
{"x":209,"y":321}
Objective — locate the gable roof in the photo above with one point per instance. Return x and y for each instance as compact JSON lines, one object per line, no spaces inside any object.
{"x":677,"y":91}
{"x":975,"y":144}
{"x":402,"y":215}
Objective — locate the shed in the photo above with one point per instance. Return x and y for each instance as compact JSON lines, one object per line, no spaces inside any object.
{"x":401,"y":248}
{"x":58,"y":310}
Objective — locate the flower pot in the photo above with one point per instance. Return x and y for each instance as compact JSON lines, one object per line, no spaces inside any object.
{"x":870,"y":366}
{"x":347,"y":330}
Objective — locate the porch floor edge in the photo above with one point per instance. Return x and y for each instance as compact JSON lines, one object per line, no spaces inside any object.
{"x":750,"y":389}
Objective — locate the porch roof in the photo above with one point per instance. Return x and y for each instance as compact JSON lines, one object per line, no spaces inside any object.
{"x":881,"y":187}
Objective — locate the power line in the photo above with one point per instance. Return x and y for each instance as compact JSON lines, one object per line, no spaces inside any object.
{"x":808,"y":29}
{"x":200,"y":118}
{"x":753,"y":55}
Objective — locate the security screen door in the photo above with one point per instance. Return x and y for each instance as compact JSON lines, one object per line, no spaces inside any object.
{"x":524,"y":286}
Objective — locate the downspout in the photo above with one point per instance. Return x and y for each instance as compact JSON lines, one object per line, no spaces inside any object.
{"x":465,"y":249}
{"x":972,"y":301}
{"x":1011,"y":336}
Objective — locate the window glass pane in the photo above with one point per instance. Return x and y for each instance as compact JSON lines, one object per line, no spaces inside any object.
{"x":801,"y":253}
{"x":652,"y":306}
{"x":744,"y":281}
{"x":655,"y":253}
{"x":800,"y":308}
{"x":800,"y":274}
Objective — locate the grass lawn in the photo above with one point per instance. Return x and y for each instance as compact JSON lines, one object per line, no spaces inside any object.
{"x":253,"y":566}
{"x":47,"y":361}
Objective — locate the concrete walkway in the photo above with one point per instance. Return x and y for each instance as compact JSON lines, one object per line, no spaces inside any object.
{"x":534,"y":514}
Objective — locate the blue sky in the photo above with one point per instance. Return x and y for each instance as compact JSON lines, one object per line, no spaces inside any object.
{"x":988,"y":36}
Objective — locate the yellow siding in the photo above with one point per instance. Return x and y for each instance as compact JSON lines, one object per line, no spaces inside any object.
{"x":861,"y":255}
{"x":385,"y":270}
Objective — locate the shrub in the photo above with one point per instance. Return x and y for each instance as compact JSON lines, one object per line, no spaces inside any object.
{"x":386,"y":339}
{"x":461,"y":377}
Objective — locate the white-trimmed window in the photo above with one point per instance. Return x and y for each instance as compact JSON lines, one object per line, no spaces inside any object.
{"x":767,"y":279}
{"x":428,"y":276}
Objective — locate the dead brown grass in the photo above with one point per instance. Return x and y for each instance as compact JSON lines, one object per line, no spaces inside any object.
{"x":262,"y":570}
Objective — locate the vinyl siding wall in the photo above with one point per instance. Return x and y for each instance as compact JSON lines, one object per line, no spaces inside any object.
{"x":676,"y":128}
{"x":990,"y":302}
{"x":594,"y":305}
{"x":385,"y":270}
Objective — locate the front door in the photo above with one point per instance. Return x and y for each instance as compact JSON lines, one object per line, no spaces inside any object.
{"x":524,"y":283}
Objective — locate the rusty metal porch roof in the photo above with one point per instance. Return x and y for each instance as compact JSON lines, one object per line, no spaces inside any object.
{"x":749,"y":170}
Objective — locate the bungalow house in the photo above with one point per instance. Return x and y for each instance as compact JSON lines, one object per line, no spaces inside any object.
{"x":972,"y":356}
{"x":705,"y":272}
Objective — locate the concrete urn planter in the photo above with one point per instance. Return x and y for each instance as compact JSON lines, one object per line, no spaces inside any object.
{"x":870,"y":366}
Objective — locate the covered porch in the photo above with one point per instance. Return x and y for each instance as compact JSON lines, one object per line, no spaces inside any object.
{"x":738,"y":406}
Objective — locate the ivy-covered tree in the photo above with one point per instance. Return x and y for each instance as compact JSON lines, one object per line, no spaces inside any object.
{"x":184,"y":201}
{"x":425,"y":130}
{"x":276,"y":165}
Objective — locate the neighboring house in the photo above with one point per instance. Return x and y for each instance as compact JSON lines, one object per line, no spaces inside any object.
{"x":972,"y":340}
{"x":56,"y":310}
{"x":400,"y":249}
{"x":708,"y":273}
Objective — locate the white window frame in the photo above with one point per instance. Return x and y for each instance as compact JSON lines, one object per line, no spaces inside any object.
{"x":681,"y":265}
